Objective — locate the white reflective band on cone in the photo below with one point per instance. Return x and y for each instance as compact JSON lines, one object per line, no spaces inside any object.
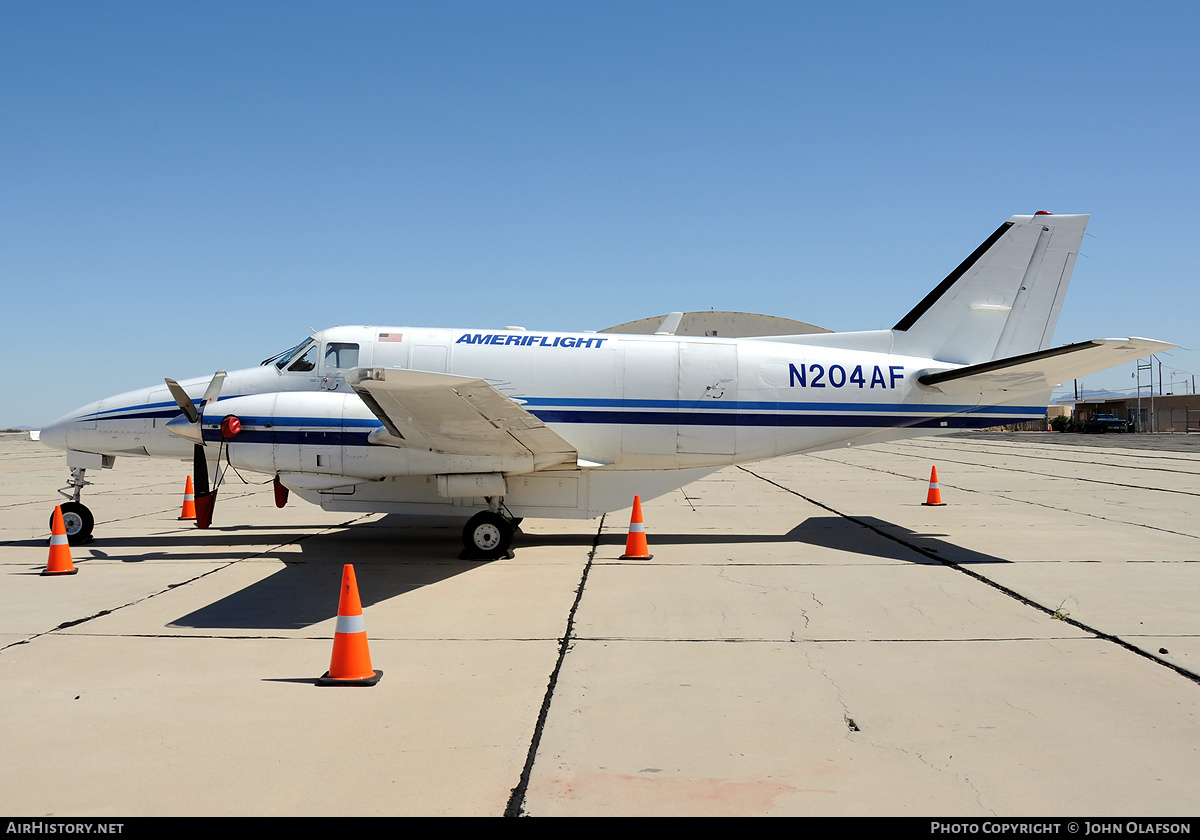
{"x":351,"y":624}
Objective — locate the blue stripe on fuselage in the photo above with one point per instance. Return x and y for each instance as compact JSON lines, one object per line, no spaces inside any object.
{"x":664,"y":418}
{"x":138,"y":411}
{"x":749,"y":405}
{"x":285,"y":437}
{"x":325,"y":431}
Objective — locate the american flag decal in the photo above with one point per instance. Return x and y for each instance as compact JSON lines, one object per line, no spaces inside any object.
{"x":391,"y":336}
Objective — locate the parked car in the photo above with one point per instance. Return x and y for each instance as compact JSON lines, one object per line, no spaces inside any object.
{"x":1101,"y":423}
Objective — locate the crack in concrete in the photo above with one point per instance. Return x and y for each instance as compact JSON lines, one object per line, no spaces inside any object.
{"x":920,"y":612}
{"x":1058,"y":476}
{"x":323,"y":637}
{"x":1138,"y":466}
{"x":966,"y":780}
{"x":723,"y":573}
{"x":743,"y":640}
{"x":95,"y":493}
{"x":1017,"y":708}
{"x":99,"y":522}
{"x":996,"y":495}
{"x":1029,"y":602}
{"x":516,"y":799}
{"x":173,"y":586}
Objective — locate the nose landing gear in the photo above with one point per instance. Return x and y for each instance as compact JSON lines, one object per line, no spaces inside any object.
{"x":76,"y":517}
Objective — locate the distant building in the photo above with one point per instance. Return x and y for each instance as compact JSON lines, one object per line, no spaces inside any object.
{"x":1168,"y":413}
{"x":722,"y":324}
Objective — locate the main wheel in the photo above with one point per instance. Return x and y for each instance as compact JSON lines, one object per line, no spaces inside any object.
{"x":487,"y":536}
{"x":78,"y":521}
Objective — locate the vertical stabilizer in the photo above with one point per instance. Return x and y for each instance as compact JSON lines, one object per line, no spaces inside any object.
{"x":1003,"y":300}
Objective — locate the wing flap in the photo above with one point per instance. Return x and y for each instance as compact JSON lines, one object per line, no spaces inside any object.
{"x":1044,"y":369}
{"x":456,"y":415}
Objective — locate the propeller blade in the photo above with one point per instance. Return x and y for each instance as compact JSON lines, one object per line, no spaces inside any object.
{"x":200,"y":469}
{"x":188,"y":407}
{"x":184,"y":401}
{"x":214,"y":387}
{"x":206,"y":497}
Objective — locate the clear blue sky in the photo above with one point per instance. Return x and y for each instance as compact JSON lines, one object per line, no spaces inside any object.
{"x":193,"y":186}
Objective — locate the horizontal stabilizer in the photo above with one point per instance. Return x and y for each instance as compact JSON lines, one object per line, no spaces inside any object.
{"x":1044,"y":369}
{"x":456,"y":415}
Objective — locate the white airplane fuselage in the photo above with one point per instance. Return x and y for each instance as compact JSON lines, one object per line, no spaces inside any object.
{"x":665,"y":408}
{"x":573,"y":424}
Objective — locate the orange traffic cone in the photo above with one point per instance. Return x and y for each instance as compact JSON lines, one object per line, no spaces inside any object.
{"x":934,"y":499}
{"x":59,"y":562}
{"x":351,"y":661}
{"x":189,"y":501}
{"x":635,"y":544}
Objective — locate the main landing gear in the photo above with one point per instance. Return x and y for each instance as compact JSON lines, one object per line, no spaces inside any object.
{"x":488,"y":535}
{"x":77,"y":519}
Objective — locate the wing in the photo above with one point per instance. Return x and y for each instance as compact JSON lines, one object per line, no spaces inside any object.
{"x":1044,"y":368}
{"x":456,"y":415}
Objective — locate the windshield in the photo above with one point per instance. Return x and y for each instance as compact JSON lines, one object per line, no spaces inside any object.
{"x":281,"y":359}
{"x":306,"y":360}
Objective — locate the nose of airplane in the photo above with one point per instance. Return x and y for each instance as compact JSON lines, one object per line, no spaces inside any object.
{"x":62,"y":432}
{"x":55,"y":434}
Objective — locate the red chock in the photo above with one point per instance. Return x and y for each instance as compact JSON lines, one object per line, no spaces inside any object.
{"x":281,"y":493}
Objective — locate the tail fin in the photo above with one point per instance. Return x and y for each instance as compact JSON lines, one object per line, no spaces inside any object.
{"x":1003,"y":300}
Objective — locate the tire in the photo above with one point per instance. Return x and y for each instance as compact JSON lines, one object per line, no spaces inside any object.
{"x":487,"y":536}
{"x":78,"y":521}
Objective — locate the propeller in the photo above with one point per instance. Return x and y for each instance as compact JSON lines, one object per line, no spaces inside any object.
{"x":188,"y":425}
{"x":190,"y":428}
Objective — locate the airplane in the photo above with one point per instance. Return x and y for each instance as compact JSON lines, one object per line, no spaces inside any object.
{"x":493,"y":425}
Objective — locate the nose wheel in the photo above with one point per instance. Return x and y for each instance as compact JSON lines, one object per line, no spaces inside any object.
{"x":78,"y":521}
{"x":487,"y":536}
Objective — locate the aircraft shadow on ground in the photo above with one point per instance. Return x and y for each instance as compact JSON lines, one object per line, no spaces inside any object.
{"x":389,"y":560}
{"x":234,"y":535}
{"x":866,"y":535}
{"x":392,"y":560}
{"x":860,"y":535}
{"x":305,"y":590}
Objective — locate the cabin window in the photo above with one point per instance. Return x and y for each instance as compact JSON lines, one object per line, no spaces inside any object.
{"x":340,"y":355}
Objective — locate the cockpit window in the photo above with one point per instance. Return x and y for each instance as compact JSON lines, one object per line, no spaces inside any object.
{"x":307,"y":360}
{"x":280,"y":360}
{"x":340,"y":355}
